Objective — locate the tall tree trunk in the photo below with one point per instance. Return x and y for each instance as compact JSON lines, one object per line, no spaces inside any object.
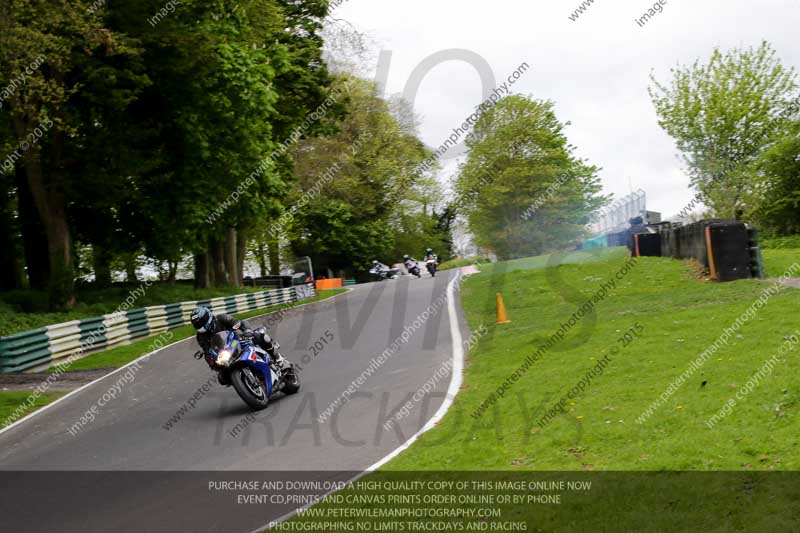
{"x":202,"y":272}
{"x":261,"y":257}
{"x":34,"y":240}
{"x":241,"y":253}
{"x":11,"y":271}
{"x":130,"y":267}
{"x":231,"y":263}
{"x":101,"y":263}
{"x":48,"y":196}
{"x":274,"y":257}
{"x":51,"y":204}
{"x":220,"y":279}
{"x":12,"y":274}
{"x":173,"y":272}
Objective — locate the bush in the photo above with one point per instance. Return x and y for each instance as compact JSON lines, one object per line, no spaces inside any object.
{"x":780,"y":243}
{"x":458,"y":263}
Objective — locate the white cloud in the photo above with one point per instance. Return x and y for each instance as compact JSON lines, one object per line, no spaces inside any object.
{"x":596,"y":69}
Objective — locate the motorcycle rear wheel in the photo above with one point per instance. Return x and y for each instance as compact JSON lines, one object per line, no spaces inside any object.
{"x":291,"y":383}
{"x":253,"y":395}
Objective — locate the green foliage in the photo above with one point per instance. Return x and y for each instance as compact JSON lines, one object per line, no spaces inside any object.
{"x":723,"y":115}
{"x":62,"y":53}
{"x":156,"y":124}
{"x":190,"y":135}
{"x":780,"y":243}
{"x":347,"y":206}
{"x":214,"y":76}
{"x":462,"y":262}
{"x":521,"y":189}
{"x":422,"y":221}
{"x":779,"y":209}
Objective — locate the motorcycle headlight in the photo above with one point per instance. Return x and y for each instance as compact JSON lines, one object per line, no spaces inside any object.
{"x":224,"y":358}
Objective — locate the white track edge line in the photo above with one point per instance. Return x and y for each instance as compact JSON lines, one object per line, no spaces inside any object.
{"x":456,"y":378}
{"x":82,"y":387}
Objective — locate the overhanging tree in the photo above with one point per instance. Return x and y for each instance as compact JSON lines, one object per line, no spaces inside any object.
{"x":372,"y":166}
{"x":58,"y":37}
{"x":519,"y":157}
{"x":723,"y":114}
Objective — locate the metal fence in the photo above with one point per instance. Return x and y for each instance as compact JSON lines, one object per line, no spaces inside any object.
{"x":616,"y":217}
{"x":40,"y":348}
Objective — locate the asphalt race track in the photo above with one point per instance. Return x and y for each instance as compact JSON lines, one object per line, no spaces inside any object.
{"x":125,"y":471}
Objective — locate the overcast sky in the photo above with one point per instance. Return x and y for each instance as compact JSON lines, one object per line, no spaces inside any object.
{"x":595,"y":69}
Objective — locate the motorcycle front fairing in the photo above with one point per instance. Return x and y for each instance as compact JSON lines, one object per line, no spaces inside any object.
{"x":229,"y":353}
{"x":225,"y":348}
{"x":258,"y":362}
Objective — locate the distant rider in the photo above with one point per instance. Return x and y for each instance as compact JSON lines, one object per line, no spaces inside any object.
{"x":208,"y":325}
{"x":429,"y":255}
{"x":412,"y":266}
{"x":378,"y":266}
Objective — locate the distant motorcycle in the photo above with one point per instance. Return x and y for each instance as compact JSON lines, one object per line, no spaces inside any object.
{"x":384,"y":273}
{"x":431,"y":265}
{"x":250,"y":370}
{"x":413,"y":267}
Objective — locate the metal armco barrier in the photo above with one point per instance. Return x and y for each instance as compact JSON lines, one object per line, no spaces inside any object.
{"x":41,"y":347}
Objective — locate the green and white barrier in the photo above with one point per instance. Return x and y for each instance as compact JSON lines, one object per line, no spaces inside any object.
{"x":40,"y":348}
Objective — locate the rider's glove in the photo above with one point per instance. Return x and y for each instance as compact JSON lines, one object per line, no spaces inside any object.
{"x":246,"y":338}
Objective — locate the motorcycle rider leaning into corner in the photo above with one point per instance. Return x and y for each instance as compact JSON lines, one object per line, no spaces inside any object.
{"x":430,"y":255}
{"x":207,"y":325}
{"x":408,"y":259}
{"x":378,"y":266}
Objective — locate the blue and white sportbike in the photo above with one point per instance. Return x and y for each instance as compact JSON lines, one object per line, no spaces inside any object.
{"x":250,"y":370}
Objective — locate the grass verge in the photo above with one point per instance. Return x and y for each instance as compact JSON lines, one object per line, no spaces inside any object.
{"x":458,"y":263}
{"x":673,"y":319}
{"x":11,"y":400}
{"x":777,"y":261}
{"x":670,"y":471}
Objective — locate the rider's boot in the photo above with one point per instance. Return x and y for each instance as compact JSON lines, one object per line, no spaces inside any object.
{"x":271,"y":346}
{"x":276,"y":356}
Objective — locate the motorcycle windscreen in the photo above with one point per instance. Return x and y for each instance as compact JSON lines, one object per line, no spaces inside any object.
{"x":220,"y":340}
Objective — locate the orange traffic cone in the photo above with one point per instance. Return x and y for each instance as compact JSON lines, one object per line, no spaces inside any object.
{"x":502,"y":315}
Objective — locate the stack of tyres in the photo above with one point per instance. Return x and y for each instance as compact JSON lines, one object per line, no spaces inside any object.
{"x":647,"y":245}
{"x":728,"y":249}
{"x":728,"y":246}
{"x":721,"y":246}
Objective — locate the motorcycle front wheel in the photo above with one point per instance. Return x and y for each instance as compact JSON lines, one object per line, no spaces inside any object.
{"x":250,"y":388}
